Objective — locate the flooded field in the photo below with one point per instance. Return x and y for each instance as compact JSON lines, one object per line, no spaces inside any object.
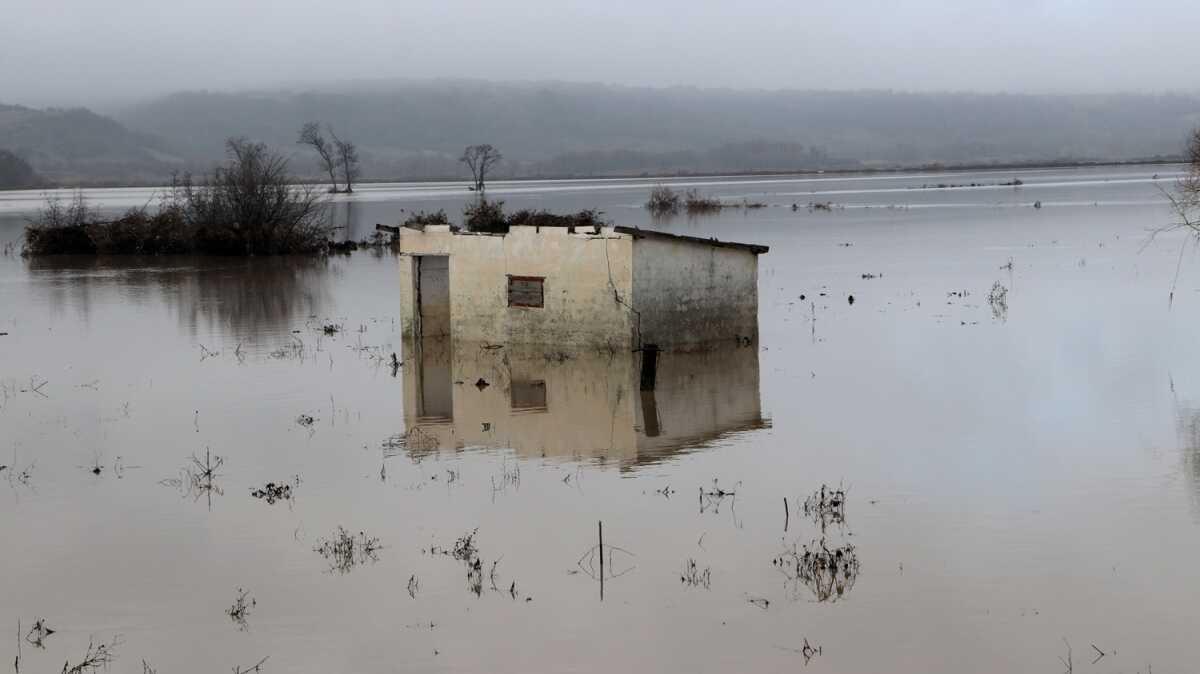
{"x":988,"y":461}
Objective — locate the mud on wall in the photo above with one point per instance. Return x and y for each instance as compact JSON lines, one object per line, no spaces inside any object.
{"x":687,"y":295}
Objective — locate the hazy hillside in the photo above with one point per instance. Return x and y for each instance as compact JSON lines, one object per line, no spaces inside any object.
{"x":418,"y":128}
{"x":77,"y":145}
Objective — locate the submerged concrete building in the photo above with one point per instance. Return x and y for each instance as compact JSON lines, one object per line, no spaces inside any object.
{"x":604,"y":287}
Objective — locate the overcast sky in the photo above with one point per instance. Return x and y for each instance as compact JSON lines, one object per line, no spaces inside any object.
{"x":96,"y":51}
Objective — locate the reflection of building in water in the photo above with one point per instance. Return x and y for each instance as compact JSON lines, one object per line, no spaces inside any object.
{"x":585,"y":404}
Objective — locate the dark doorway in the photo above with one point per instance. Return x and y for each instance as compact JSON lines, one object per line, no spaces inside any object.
{"x":431,"y":274}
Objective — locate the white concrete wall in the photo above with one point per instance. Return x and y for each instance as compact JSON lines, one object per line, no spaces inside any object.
{"x":689,"y":295}
{"x":582,"y":271}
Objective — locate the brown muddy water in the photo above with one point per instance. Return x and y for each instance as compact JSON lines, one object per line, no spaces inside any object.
{"x":1019,"y":476}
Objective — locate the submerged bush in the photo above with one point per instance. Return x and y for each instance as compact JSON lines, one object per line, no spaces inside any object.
{"x":698,"y":203}
{"x":249,"y":206}
{"x":60,"y":227}
{"x":663,"y":200}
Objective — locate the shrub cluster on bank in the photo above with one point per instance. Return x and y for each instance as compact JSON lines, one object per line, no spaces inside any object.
{"x":248,"y":206}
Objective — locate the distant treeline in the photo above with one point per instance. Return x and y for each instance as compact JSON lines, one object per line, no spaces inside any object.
{"x":417,"y":129}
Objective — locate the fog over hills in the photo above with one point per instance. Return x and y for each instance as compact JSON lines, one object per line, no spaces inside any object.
{"x":417,"y":129}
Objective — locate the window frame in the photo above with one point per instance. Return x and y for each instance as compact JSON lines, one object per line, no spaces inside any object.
{"x":541,"y":280}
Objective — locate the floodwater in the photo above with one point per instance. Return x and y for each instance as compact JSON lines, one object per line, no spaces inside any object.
{"x":1022,"y":477}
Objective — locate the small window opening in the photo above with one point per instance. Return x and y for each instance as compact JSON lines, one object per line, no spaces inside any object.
{"x":525,"y":291}
{"x":529,"y":396}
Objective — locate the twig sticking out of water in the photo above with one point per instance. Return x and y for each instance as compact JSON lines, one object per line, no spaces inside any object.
{"x":713,"y":497}
{"x":38,"y":633}
{"x":199,"y":478}
{"x":508,"y":477}
{"x":808,"y":651}
{"x":241,"y":609}
{"x":1068,"y":663}
{"x":96,"y":656}
{"x":693,"y":577}
{"x":760,"y":602}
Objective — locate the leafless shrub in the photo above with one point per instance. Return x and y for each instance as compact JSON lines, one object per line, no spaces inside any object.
{"x":696,"y":203}
{"x":248,"y":206}
{"x":272,"y":492}
{"x":826,"y":506}
{"x":998,"y":301}
{"x":827,"y":573}
{"x":251,"y":206}
{"x":241,"y":609}
{"x":663,"y":201}
{"x":345,"y":551}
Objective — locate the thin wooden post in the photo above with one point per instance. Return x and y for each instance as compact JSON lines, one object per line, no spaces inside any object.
{"x":600,"y":528}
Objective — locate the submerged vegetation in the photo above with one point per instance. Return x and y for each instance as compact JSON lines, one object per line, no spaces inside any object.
{"x":248,"y":206}
{"x":665,"y":201}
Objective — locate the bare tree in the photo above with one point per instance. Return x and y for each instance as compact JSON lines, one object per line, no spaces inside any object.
{"x":310,"y":135}
{"x":1185,"y":201}
{"x":347,"y":158}
{"x":480,"y":159}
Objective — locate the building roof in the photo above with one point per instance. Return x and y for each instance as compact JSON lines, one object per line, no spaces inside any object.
{"x":637,"y":232}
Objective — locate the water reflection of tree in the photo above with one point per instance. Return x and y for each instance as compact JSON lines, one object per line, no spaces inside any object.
{"x":244,"y":297}
{"x":1187,"y":429}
